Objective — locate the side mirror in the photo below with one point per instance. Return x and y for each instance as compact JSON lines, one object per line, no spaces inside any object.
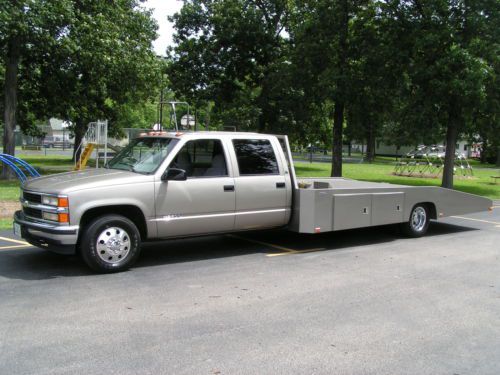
{"x":174,"y":174}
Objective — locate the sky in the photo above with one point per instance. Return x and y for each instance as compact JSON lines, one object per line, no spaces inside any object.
{"x":163,"y":9}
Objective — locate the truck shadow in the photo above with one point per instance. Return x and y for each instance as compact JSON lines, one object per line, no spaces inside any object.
{"x":38,"y":264}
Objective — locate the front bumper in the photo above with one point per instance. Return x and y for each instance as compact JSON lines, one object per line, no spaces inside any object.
{"x":57,"y":238}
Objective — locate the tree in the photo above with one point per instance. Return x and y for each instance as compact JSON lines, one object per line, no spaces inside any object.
{"x":231,"y":53}
{"x":80,"y":61}
{"x":447,"y":73}
{"x":104,"y":61}
{"x":27,"y":29}
{"x":320,"y":33}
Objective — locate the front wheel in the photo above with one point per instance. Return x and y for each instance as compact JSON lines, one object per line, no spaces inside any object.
{"x":419,"y":221}
{"x":110,"y":243}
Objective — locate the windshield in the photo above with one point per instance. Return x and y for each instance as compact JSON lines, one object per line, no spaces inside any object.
{"x":143,"y":155}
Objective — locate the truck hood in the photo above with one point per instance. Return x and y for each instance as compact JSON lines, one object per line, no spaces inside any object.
{"x":62,"y":183}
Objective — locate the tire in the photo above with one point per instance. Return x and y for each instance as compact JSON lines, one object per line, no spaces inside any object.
{"x":419,"y":221}
{"x":110,"y":243}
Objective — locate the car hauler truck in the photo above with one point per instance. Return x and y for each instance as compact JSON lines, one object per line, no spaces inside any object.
{"x":171,"y":185}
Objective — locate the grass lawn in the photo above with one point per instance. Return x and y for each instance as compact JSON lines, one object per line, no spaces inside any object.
{"x":5,"y":224}
{"x":481,"y":183}
{"x":48,"y":164}
{"x":9,"y":190}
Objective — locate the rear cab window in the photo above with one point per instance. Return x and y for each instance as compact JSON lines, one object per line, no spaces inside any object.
{"x":255,"y":157}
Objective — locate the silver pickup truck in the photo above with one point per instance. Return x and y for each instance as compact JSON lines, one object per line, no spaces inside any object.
{"x":168,"y":185}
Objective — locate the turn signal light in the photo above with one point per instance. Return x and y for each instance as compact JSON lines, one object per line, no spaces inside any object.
{"x":63,"y":202}
{"x":63,"y":218}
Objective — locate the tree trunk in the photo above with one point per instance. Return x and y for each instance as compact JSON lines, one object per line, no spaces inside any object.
{"x":338,"y":116}
{"x":370,"y":143}
{"x":79,"y":134}
{"x":349,"y":149}
{"x":338,"y":123}
{"x":207,"y":119}
{"x":449,"y":158}
{"x":10,"y":104}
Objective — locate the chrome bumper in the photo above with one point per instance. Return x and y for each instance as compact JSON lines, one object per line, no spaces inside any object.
{"x":58,"y":238}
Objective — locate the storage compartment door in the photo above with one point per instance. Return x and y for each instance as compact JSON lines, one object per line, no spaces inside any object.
{"x":351,"y":211}
{"x":387,"y":208}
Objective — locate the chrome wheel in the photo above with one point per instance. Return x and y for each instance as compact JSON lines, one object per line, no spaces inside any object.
{"x":113,"y":245}
{"x":418,"y":219}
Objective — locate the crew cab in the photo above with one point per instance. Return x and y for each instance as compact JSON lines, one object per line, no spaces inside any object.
{"x":170,"y":185}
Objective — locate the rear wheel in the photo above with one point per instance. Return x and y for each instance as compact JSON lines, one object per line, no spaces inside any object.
{"x":419,"y":221}
{"x":110,"y":243}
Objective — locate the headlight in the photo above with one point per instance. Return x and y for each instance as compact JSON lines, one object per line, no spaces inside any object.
{"x":50,"y":200}
{"x":55,"y":201}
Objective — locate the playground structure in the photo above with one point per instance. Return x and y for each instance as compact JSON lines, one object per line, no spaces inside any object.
{"x":95,"y":139}
{"x":22,"y":169}
{"x":428,"y":161}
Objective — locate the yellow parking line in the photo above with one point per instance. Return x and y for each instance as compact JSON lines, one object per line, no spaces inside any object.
{"x":286,"y":250}
{"x":296,"y":252}
{"x":12,"y":240}
{"x":480,"y":220}
{"x":282,"y":248}
{"x":14,"y":247}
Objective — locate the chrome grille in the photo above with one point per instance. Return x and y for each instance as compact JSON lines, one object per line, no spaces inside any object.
{"x":32,"y":212}
{"x":31,"y":197}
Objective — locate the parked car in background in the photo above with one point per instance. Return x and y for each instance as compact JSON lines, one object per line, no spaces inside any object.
{"x":56,"y":142}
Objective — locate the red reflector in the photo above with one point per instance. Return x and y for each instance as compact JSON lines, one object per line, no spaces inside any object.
{"x":317,"y":230}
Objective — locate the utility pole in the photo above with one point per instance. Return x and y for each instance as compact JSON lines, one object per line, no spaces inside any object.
{"x":161,"y":109}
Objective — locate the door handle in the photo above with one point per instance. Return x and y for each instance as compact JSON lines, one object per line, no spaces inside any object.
{"x":228,"y":187}
{"x":280,"y":185}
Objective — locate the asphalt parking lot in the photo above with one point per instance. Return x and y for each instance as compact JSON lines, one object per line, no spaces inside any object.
{"x":355,"y":302}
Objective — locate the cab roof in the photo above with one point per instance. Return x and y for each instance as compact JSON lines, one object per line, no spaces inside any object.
{"x":189,"y":134}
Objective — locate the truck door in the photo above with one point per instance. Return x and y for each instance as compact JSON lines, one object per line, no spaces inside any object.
{"x":205,"y":201}
{"x":260,"y":184}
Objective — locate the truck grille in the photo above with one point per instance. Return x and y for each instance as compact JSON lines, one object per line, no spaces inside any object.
{"x":32,"y":212}
{"x":30,"y":197}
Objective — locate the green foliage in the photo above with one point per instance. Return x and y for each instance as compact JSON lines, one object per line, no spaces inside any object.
{"x":403,"y":72}
{"x":230,"y":53}
{"x":81,"y":61}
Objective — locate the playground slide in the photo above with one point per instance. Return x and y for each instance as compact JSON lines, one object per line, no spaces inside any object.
{"x":22,"y":169}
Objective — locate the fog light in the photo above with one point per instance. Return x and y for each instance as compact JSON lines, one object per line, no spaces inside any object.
{"x":50,"y":216}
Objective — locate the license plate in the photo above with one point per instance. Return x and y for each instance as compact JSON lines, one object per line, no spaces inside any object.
{"x":17,"y":229}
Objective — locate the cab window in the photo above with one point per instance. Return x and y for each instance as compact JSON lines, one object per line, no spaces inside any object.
{"x":255,"y":157}
{"x":202,"y":158}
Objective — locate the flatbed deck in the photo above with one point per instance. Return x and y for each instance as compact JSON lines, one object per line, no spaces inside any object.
{"x":329,"y":204}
